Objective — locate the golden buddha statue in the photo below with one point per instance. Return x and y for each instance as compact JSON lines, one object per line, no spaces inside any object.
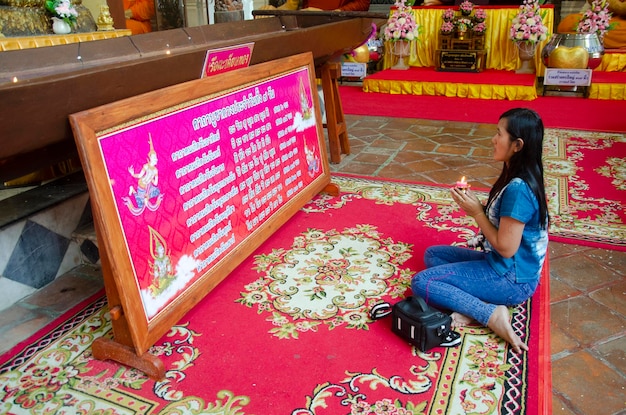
{"x":105,"y":21}
{"x":29,"y":18}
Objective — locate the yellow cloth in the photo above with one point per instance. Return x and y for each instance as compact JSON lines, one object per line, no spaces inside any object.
{"x":613,"y":62}
{"x":461,"y":90}
{"x":607,"y":91}
{"x":501,"y":51}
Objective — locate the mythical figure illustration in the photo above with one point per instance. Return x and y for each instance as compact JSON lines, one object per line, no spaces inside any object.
{"x":147,"y":194}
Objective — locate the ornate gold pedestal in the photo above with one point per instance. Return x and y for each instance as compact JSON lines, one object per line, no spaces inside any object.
{"x":27,"y":42}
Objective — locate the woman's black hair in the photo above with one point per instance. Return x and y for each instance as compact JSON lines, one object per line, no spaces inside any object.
{"x":526,"y":164}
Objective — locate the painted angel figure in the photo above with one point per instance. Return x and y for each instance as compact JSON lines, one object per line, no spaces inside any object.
{"x":161,"y":267}
{"x":147,"y":181}
{"x":313,"y":162}
{"x":304,"y":103}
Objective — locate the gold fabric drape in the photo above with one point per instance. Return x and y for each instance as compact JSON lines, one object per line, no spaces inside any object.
{"x":607,"y":91}
{"x":449,"y":89}
{"x":613,"y":62}
{"x":502,"y":53}
{"x":28,"y":42}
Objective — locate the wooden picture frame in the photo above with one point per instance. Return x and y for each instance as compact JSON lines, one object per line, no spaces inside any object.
{"x":187,"y":181}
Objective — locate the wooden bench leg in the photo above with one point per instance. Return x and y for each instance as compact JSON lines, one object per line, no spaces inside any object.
{"x":335,"y":121}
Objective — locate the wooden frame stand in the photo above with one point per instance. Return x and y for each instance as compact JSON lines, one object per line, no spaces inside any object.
{"x":335,"y":120}
{"x":121,"y":348}
{"x":187,"y":181}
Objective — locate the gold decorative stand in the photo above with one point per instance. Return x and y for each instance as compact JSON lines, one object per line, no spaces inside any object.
{"x":460,"y":55}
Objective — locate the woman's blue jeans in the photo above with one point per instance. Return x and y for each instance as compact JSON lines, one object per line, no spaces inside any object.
{"x":460,"y":279}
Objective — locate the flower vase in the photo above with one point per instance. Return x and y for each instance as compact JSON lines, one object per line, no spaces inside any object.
{"x":401,"y":49}
{"x":527,"y":57}
{"x":60,"y":26}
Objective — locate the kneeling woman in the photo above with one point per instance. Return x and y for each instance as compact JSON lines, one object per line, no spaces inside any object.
{"x":513,"y":225}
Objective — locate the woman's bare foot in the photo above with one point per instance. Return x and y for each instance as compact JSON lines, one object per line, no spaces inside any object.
{"x":459,"y":320}
{"x":500,"y":323}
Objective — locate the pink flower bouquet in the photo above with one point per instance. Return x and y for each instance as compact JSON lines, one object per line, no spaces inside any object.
{"x":401,"y":24}
{"x":596,"y":19}
{"x":527,"y":25}
{"x":466,"y":7}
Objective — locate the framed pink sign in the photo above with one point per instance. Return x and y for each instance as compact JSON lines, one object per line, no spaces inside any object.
{"x":185,"y":182}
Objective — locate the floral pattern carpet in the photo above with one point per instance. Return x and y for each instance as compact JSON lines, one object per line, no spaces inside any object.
{"x":586,"y":187}
{"x":288,"y":331}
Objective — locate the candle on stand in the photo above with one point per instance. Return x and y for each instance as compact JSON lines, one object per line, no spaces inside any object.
{"x":463,"y":185}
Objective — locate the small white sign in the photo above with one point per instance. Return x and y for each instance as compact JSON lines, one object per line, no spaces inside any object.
{"x":567,"y":77}
{"x":354,"y":69}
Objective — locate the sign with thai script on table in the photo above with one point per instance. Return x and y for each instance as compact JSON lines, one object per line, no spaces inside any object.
{"x":567,"y":77}
{"x":460,"y":60}
{"x":227,"y":59}
{"x":189,"y":180}
{"x":354,"y":70}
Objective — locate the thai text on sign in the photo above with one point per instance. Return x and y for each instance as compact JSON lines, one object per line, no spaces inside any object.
{"x":193,"y":182}
{"x":567,"y":77}
{"x":227,"y":59}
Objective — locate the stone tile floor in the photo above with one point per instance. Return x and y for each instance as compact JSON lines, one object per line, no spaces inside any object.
{"x":588,"y":285}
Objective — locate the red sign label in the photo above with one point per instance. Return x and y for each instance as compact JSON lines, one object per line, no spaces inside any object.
{"x":226,"y":59}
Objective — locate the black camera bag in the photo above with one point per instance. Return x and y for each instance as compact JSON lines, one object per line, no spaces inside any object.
{"x":421,"y":325}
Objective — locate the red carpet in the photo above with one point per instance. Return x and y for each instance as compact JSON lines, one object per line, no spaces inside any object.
{"x":288,"y":332}
{"x":586,"y":187}
{"x":609,"y":77}
{"x":557,"y":112}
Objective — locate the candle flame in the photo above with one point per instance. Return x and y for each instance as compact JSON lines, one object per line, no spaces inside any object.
{"x":463,"y":179}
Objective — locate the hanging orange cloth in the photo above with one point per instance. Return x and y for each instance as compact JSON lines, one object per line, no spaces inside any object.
{"x":345,"y":5}
{"x":614,"y":39}
{"x":138,"y":14}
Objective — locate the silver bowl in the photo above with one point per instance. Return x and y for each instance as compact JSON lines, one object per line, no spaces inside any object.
{"x":588,"y":41}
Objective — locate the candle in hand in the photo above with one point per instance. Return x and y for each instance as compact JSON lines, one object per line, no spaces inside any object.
{"x":463,"y":185}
